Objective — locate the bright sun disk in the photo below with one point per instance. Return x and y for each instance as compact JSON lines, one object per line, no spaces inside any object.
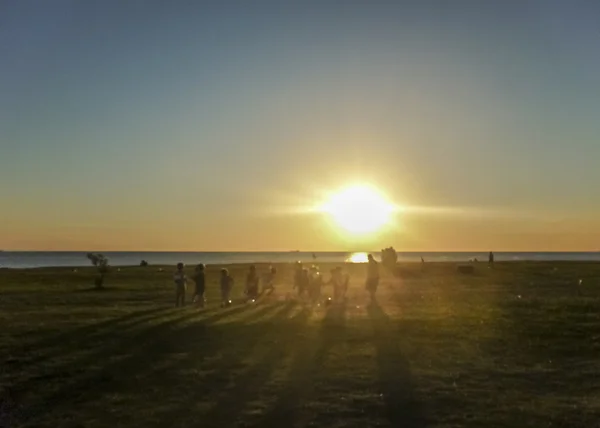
{"x":359,"y":209}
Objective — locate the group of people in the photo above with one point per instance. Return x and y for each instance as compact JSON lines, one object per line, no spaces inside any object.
{"x":307,"y":282}
{"x":226,"y":282}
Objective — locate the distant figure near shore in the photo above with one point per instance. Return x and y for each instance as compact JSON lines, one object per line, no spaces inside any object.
{"x":491,"y":258}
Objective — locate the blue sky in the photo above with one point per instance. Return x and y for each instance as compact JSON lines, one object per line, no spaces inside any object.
{"x":124,"y":124}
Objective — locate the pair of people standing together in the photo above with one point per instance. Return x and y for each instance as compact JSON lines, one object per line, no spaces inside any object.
{"x":199,"y":278}
{"x":180,"y":279}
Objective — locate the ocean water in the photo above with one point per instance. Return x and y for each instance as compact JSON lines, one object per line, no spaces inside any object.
{"x":32,"y":259}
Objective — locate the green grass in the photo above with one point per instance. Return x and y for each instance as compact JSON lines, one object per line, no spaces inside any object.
{"x":517,"y":345}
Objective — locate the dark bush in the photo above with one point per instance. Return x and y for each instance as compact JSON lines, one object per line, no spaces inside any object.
{"x":101,"y":263}
{"x":389,"y":258}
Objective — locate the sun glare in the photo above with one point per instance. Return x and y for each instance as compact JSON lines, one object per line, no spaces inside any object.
{"x":358,"y":258}
{"x":359,"y":209}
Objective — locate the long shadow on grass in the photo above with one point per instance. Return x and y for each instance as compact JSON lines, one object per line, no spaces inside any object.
{"x":305,"y":369}
{"x":542,"y":343}
{"x":207,"y":358}
{"x":135,"y":353}
{"x":402,"y":407}
{"x":78,"y":338}
{"x":266,"y":344}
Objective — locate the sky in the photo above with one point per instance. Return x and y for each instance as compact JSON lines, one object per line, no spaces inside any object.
{"x":214,"y":126}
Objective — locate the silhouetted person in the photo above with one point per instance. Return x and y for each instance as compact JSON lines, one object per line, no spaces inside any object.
{"x":304,"y":280}
{"x":200,"y":281}
{"x":372,"y":277}
{"x":491,"y":258}
{"x":300,"y":279}
{"x":226,"y":283}
{"x":315,"y":282}
{"x":269,"y":282}
{"x":252,"y":284}
{"x":334,"y":282}
{"x":297,"y":275}
{"x":339,"y":282}
{"x":180,"y":285}
{"x":344,"y":281}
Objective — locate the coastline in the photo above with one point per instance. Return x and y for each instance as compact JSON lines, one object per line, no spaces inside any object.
{"x":285,"y":265}
{"x":77,"y":259}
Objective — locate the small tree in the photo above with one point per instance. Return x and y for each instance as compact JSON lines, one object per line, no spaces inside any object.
{"x":101,"y":263}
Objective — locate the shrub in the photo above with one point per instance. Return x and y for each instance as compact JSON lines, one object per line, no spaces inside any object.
{"x":389,"y":258}
{"x":101,"y":263}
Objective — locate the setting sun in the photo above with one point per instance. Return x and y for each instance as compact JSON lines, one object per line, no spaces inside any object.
{"x":359,"y":209}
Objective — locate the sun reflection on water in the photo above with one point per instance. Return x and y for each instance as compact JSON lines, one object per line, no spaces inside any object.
{"x":358,"y":258}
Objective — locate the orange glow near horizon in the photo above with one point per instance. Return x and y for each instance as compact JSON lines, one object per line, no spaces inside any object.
{"x":284,"y":220}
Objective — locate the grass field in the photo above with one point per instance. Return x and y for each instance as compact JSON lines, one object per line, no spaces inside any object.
{"x":513,"y":346}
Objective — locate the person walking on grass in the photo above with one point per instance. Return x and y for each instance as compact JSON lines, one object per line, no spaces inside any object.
{"x":269,"y":281}
{"x":200,"y":281}
{"x":339,"y":282}
{"x":252,"y":284}
{"x":226,"y":286}
{"x":372,"y":277}
{"x":180,"y":285}
{"x":300,"y":279}
{"x":304,"y":280}
{"x":315,"y":282}
{"x":345,"y":282}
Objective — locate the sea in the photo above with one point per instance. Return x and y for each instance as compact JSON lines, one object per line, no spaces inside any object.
{"x":38,"y":259}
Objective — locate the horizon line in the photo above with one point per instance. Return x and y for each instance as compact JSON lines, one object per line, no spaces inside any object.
{"x":295,"y":251}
